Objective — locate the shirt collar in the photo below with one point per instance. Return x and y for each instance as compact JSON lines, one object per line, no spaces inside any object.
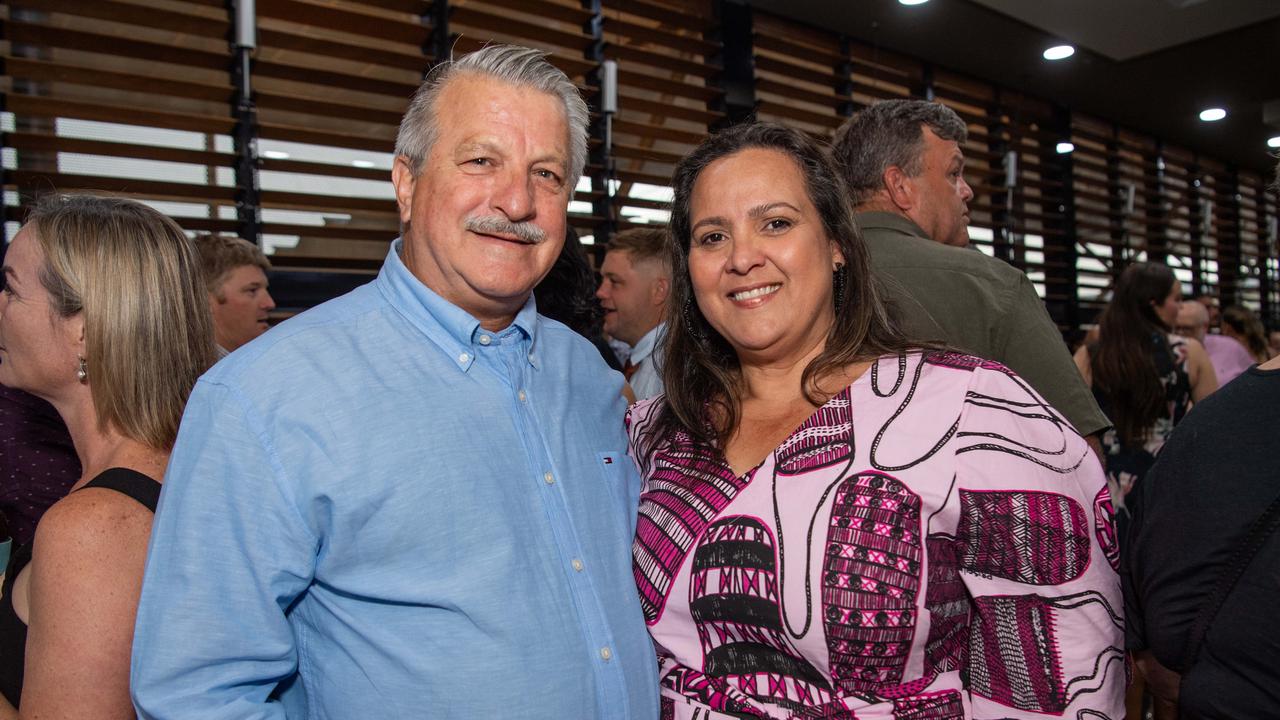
{"x":644,"y":348}
{"x":453,"y":328}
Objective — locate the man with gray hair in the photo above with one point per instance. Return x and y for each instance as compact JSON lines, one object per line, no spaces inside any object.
{"x":903,"y":163}
{"x":414,"y":500}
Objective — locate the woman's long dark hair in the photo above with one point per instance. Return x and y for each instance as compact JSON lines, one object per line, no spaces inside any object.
{"x":701,"y":374}
{"x":1123,"y":365}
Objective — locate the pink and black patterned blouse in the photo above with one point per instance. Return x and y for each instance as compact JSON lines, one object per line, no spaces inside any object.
{"x":933,"y":543}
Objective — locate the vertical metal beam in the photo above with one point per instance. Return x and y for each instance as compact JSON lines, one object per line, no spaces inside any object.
{"x":1060,"y":169}
{"x":1157,"y":213}
{"x":439,"y":43}
{"x":604,"y":78}
{"x":1197,"y":211}
{"x":846,"y":86}
{"x":1120,"y":199}
{"x":1229,"y":247}
{"x":1002,"y":204}
{"x":736,"y":60}
{"x":244,"y":134}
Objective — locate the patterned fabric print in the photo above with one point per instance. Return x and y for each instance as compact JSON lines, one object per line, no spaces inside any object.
{"x":1014,"y":655}
{"x":949,"y":607}
{"x":1104,"y":527}
{"x":734,"y":601}
{"x":870,"y":580}
{"x":824,"y":439}
{"x":960,"y":361}
{"x":785,"y":605}
{"x":935,"y":706}
{"x":712,"y":692}
{"x":687,"y":487}
{"x":1037,"y":538}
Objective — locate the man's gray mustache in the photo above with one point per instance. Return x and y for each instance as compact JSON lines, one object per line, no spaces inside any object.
{"x":498,"y":225}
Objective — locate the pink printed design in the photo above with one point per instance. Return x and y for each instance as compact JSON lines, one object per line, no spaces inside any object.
{"x":947,"y":602}
{"x":735,"y":605}
{"x":712,"y":692}
{"x":1104,"y":527}
{"x":1038,"y":538}
{"x":945,"y":705}
{"x":960,"y":361}
{"x":823,"y":439}
{"x":1014,"y":654}
{"x":687,"y":487}
{"x":870,"y":579}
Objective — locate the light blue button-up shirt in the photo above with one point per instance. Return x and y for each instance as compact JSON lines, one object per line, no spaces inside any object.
{"x":381,"y":510}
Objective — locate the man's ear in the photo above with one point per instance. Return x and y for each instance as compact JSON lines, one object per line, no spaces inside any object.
{"x":403,"y":179}
{"x":661,"y":290}
{"x":899,"y":187}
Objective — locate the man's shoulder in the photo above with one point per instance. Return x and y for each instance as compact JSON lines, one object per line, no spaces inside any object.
{"x":307,"y":337}
{"x":896,"y":249}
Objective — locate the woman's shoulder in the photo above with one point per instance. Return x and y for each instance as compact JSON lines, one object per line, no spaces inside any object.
{"x":92,"y":519}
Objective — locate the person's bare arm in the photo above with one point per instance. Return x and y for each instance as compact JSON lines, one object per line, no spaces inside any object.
{"x":1204,"y":380}
{"x":1081,"y":359}
{"x":86,"y":575}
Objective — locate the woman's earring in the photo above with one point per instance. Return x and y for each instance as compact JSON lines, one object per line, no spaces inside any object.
{"x":690,"y":322}
{"x":839,"y":278}
{"x":82,"y":372}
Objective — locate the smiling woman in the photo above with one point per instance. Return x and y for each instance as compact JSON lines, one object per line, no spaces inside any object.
{"x":836,"y":508}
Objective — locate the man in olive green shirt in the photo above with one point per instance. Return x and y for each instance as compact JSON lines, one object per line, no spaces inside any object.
{"x":903,"y":163}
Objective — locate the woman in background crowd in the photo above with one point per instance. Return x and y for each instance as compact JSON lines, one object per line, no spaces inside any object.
{"x":105,"y":316}
{"x":1144,"y":377}
{"x":1244,"y":327}
{"x":834,"y":522}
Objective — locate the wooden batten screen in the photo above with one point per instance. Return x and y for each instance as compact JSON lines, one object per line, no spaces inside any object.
{"x":668,"y":97}
{"x":803,"y":77}
{"x":331,"y":80}
{"x":122,"y":98}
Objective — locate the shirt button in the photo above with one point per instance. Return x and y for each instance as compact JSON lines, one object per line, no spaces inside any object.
{"x":521,"y":395}
{"x":463,"y":357}
{"x":485,"y":339}
{"x":606,"y":654}
{"x":548,"y":478}
{"x":577,"y":564}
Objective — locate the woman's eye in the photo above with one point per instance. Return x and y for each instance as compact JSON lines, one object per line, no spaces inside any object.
{"x":778,"y":224}
{"x":711,"y":238}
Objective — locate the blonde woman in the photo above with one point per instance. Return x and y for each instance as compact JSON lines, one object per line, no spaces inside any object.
{"x":104,"y":315}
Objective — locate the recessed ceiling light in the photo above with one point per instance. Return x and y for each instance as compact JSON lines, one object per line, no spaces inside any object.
{"x":362,"y":163}
{"x":1065,"y":147}
{"x":913,"y":2}
{"x":1274,"y":142}
{"x":1059,"y":52}
{"x":1212,"y":114}
{"x":275,"y":154}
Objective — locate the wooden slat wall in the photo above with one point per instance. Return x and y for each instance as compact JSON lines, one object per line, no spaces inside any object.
{"x":331,"y":80}
{"x":90,"y":81}
{"x":668,"y":97}
{"x":136,"y":97}
{"x":803,"y":76}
